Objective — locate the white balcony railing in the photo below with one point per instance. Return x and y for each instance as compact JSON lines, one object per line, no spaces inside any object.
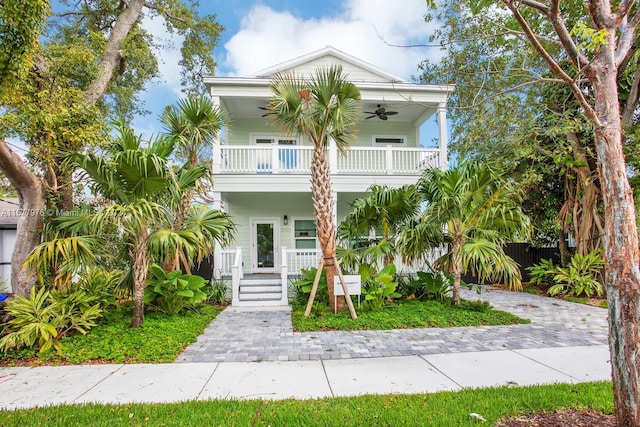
{"x":296,"y":160}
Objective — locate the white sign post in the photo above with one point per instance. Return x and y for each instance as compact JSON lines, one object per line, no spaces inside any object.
{"x":353,"y":283}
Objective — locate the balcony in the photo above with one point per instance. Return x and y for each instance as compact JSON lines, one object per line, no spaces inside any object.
{"x":296,"y":160}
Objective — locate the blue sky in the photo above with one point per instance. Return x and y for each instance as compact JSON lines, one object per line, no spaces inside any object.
{"x":262,"y":33}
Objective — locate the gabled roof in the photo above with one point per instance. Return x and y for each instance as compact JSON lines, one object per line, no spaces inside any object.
{"x":358,"y":69}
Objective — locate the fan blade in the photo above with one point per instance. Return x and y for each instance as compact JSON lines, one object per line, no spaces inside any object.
{"x":383,"y":116}
{"x":370,"y":117}
{"x":391,"y":113}
{"x":263,"y":108}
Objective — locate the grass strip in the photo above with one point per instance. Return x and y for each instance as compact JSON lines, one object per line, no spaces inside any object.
{"x":409,"y":314}
{"x":437,"y":409}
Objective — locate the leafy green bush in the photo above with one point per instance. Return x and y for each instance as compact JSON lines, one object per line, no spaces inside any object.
{"x":542,"y":272}
{"x":580,"y":276}
{"x":46,"y":316}
{"x":478,"y":305}
{"x":430,"y":285}
{"x":379,"y":289}
{"x":102,"y":284}
{"x":216,"y":291}
{"x":304,"y":285}
{"x":174,"y":291}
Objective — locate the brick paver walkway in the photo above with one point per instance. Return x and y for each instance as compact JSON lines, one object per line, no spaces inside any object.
{"x":249,"y":335}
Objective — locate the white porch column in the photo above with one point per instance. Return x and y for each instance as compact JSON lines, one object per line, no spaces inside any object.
{"x":442,"y":133}
{"x":217,"y":250}
{"x":216,"y":161}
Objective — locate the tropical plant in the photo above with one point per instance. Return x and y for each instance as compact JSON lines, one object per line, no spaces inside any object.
{"x":379,"y":288}
{"x":370,"y":229}
{"x":174,"y":291}
{"x":430,"y":285}
{"x":326,"y":108}
{"x":304,"y":285}
{"x":543,"y":272}
{"x":192,"y":125}
{"x":580,"y":277}
{"x":216,"y":291}
{"x":477,"y":210}
{"x":46,"y":316}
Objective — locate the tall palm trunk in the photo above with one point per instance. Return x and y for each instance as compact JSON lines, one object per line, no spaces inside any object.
{"x":140,"y":268}
{"x":322,"y":198}
{"x":456,"y":270}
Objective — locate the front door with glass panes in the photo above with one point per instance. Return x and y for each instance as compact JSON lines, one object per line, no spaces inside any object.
{"x":304,"y":234}
{"x":264,"y":245}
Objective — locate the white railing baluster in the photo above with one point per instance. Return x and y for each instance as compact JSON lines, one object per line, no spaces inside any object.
{"x":236,"y":275}
{"x":296,"y":160}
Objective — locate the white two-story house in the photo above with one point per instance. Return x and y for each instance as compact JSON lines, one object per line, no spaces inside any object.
{"x":262,"y":177}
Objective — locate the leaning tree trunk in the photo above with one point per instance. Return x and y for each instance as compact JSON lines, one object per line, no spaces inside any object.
{"x":140,"y":256}
{"x":31,"y":196}
{"x":622,"y":276}
{"x":323,"y":211}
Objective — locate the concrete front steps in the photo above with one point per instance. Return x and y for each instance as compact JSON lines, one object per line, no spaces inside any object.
{"x":260,"y":291}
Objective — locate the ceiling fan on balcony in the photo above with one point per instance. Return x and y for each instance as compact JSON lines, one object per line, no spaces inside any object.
{"x":380,"y":113}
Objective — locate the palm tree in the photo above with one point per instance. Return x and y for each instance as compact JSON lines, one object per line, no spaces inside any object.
{"x":383,"y":211}
{"x":477,"y":210}
{"x":192,"y":125}
{"x":325,"y":107}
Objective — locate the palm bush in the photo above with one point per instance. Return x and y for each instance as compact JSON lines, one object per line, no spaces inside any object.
{"x":580,"y":277}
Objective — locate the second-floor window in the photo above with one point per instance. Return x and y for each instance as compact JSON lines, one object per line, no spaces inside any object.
{"x":395,"y":140}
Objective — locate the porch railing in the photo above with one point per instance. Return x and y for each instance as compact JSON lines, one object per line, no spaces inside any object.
{"x":296,"y":160}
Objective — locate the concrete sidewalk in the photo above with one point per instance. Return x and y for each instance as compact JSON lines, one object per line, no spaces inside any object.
{"x":41,"y":386}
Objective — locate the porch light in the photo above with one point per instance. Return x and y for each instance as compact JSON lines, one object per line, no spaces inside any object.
{"x":286,"y":220}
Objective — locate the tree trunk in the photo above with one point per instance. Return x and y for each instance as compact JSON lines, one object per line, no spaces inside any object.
{"x":323,"y":211}
{"x":140,"y":268}
{"x":622,"y":276}
{"x":31,"y":198}
{"x":456,"y":261}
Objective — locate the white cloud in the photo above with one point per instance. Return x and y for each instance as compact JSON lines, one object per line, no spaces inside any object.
{"x":267,"y":37}
{"x":167,"y":52}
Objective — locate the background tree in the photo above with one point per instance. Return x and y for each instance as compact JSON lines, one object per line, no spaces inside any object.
{"x":324,"y":107}
{"x":478,"y":211}
{"x":592,"y":51}
{"x":515,"y":113}
{"x":94,"y":60}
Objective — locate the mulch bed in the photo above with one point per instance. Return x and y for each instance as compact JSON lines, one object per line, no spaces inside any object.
{"x":570,"y":417}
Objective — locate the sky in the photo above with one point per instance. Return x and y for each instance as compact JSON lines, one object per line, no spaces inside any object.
{"x":262,"y":33}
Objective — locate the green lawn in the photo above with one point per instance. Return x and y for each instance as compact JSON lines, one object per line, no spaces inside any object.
{"x":406,"y":314}
{"x":438,"y":409}
{"x":160,"y":339}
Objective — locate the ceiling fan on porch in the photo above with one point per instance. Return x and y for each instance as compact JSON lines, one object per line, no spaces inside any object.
{"x":380,"y":113}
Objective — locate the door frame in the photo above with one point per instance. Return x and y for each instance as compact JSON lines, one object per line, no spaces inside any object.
{"x":275,"y":221}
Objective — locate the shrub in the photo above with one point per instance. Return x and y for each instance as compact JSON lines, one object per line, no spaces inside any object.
{"x":102,"y":284}
{"x":216,"y":291}
{"x":580,"y":277}
{"x":174,"y":291}
{"x":304,"y":285}
{"x":542,"y":272}
{"x":45,"y":317}
{"x":379,"y":289}
{"x":430,"y":285}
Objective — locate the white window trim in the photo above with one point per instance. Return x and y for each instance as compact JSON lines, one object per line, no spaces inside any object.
{"x":402,"y":137}
{"x":272,"y":135}
{"x":292,"y":224}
